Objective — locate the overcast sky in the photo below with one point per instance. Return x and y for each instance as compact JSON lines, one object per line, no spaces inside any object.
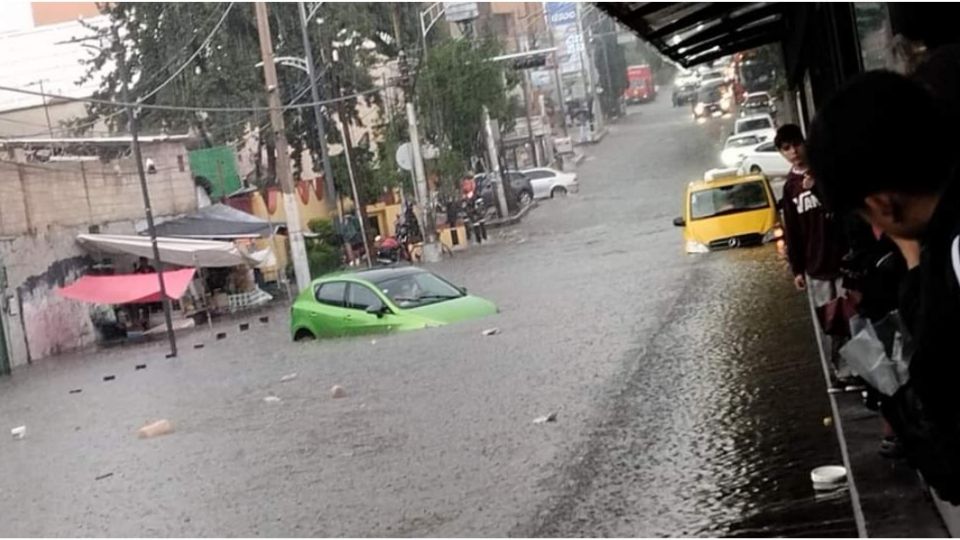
{"x":16,"y":16}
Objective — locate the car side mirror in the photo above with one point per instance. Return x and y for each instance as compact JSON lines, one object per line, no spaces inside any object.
{"x":679,"y":222}
{"x":463,"y":290}
{"x":378,"y":310}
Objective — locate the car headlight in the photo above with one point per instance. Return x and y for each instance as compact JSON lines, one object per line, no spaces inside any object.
{"x":775,"y":233}
{"x":696,"y":247}
{"x":698,"y":108}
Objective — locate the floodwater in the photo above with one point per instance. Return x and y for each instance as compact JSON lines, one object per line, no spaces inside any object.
{"x":688,"y":393}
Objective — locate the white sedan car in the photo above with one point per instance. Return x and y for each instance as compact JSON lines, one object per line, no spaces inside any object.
{"x":765,"y":159}
{"x":549,"y":183}
{"x":735,"y":148}
{"x":761,"y":125}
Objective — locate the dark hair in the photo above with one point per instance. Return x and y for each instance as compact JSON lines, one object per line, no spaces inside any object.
{"x":788,"y":134}
{"x":880,"y":132}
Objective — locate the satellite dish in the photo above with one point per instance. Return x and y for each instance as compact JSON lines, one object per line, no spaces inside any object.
{"x":404,"y":156}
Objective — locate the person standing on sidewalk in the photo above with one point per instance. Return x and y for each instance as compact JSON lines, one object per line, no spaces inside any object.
{"x":814,"y":238}
{"x":916,"y":202}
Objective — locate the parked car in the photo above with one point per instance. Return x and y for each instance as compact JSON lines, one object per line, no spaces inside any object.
{"x":758,"y":103}
{"x":725,"y":210}
{"x":550,"y":183}
{"x":764,"y":159}
{"x":381,"y":300}
{"x":519,"y":185}
{"x":735,"y":147}
{"x":761,"y":125}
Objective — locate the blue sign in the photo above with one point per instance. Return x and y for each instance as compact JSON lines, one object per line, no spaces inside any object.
{"x":560,"y":13}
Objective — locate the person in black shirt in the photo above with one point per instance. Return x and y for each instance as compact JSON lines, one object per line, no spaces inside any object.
{"x":885,"y":149}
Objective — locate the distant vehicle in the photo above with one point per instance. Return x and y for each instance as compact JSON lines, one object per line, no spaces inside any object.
{"x":685,"y":93}
{"x":640,"y":85}
{"x":519,"y":184}
{"x":727,"y":211}
{"x":761,"y":125}
{"x":381,"y":300}
{"x":757,"y":75}
{"x":764,"y":159}
{"x":713,"y":76}
{"x":735,"y":148}
{"x":711,"y":101}
{"x":550,"y":183}
{"x":757,"y":103}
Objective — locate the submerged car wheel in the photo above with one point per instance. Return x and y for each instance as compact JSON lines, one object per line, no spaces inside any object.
{"x":525,"y":198}
{"x":756,"y":169}
{"x":558,"y":191}
{"x":304,"y":335}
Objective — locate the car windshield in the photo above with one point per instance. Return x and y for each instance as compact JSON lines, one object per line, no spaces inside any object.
{"x":718,"y":201}
{"x":742,"y":141}
{"x":709,"y":95}
{"x":417,"y":290}
{"x":757,"y":101}
{"x":752,"y":125}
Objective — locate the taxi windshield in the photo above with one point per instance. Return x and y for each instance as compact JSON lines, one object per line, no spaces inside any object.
{"x":732,"y":199}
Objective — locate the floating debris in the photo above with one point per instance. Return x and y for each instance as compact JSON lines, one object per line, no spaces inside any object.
{"x":491,"y":331}
{"x":155,"y":429}
{"x":19,"y":432}
{"x":288,"y":377}
{"x":338,"y":392}
{"x":552,"y":417}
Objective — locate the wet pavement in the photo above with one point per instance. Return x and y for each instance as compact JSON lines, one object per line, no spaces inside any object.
{"x":688,"y":396}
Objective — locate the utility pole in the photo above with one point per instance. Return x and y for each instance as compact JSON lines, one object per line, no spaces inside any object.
{"x":148,"y":209}
{"x":556,"y":80}
{"x":347,"y":153}
{"x":526,"y":106}
{"x":494,"y":159}
{"x":587,"y":69}
{"x":46,"y":111}
{"x":298,"y":250}
{"x":431,"y":250}
{"x":330,"y":190}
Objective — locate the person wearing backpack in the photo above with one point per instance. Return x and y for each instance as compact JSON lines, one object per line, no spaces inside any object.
{"x":884,"y":148}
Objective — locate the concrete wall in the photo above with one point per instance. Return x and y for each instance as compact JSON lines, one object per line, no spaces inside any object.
{"x":42,"y":210}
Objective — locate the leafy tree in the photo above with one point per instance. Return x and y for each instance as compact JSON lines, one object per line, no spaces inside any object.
{"x":453,"y":86}
{"x":201,"y":63}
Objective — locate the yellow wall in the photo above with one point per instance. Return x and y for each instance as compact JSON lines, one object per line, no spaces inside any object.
{"x":313,"y":209}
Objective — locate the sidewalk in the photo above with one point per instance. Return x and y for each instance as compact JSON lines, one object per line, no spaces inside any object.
{"x":888,"y":497}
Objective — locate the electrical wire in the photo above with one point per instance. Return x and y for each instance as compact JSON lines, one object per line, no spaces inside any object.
{"x":196,"y":53}
{"x":193,"y":108}
{"x":183,"y":66}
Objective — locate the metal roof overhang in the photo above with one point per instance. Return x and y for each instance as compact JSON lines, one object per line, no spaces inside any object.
{"x":698,"y":32}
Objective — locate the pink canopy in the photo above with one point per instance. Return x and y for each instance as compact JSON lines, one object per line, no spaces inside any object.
{"x":128,"y":288}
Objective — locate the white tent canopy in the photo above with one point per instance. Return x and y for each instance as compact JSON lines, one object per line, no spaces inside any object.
{"x":178,"y":251}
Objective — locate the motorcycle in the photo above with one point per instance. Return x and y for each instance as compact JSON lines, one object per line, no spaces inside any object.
{"x":390,"y":250}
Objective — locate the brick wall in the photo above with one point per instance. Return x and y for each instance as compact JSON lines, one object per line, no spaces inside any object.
{"x":42,"y":210}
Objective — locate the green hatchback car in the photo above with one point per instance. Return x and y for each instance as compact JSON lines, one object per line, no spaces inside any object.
{"x":381,"y":300}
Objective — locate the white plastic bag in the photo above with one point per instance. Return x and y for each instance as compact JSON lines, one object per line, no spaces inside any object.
{"x":879,"y":354}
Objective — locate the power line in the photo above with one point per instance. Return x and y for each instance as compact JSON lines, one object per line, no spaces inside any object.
{"x":184,"y":107}
{"x":196,"y":53}
{"x":183,"y":66}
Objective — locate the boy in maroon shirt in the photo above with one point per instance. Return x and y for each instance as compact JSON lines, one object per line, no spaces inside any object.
{"x":815,"y":239}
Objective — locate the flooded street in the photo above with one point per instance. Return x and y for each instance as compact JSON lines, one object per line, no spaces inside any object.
{"x":688,"y":393}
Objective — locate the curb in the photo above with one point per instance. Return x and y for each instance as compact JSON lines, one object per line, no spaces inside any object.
{"x":512,"y":220}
